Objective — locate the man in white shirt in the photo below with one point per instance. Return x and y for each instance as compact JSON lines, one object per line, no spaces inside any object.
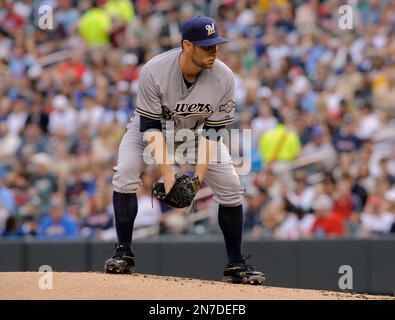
{"x":63,"y":120}
{"x":265,"y":120}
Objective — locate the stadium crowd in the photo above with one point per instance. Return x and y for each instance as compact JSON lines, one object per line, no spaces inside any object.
{"x":319,"y":100}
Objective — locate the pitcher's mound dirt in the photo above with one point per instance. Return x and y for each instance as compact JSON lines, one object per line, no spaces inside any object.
{"x":93,"y":285}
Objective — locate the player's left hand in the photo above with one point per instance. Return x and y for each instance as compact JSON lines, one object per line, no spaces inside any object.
{"x":181,"y":194}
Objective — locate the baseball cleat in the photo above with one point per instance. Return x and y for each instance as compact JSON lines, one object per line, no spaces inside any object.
{"x":122,"y":262}
{"x":243,"y":272}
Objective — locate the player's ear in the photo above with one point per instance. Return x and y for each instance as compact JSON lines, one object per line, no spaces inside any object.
{"x":187,"y":45}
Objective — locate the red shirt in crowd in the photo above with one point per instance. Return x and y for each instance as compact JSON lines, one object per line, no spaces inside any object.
{"x":12,"y":22}
{"x":76,"y":69}
{"x":343,"y":207}
{"x":129,"y":74}
{"x":329,"y":225}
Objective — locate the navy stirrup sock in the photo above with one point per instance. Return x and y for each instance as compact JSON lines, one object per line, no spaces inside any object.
{"x":125,"y":209}
{"x":230,"y":220}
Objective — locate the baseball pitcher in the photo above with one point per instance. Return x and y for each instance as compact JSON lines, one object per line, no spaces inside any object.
{"x":184,"y":88}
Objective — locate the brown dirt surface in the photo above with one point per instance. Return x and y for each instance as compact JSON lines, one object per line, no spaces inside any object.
{"x":95,"y":285}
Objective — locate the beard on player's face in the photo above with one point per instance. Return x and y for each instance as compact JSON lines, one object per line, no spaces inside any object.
{"x":200,"y":62}
{"x":206,"y":62}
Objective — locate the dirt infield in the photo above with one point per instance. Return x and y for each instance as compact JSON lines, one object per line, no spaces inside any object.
{"x":93,"y":285}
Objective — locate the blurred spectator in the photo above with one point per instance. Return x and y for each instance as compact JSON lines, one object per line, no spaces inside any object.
{"x":345,"y":139}
{"x":5,"y":46}
{"x":142,"y":36}
{"x":121,"y":13}
{"x":265,"y":120}
{"x":11,"y":21}
{"x":57,"y":224}
{"x":17,"y":118}
{"x":80,"y":185}
{"x":9,"y":142}
{"x":267,"y":181}
{"x":20,"y":61}
{"x":63,"y":120}
{"x":302,"y":195}
{"x":375,"y":218}
{"x":296,"y":225}
{"x":306,"y":16}
{"x":81,"y":146}
{"x":67,"y":16}
{"x":369,"y":122}
{"x":37,"y":115}
{"x":11,"y":229}
{"x":70,"y":71}
{"x":345,"y":203}
{"x":170,"y":33}
{"x":327,"y":223}
{"x":279,"y":144}
{"x":122,"y":10}
{"x":255,"y":199}
{"x":29,"y":226}
{"x":95,"y":25}
{"x":115,"y":114}
{"x":321,"y":146}
{"x":104,"y":144}
{"x":90,"y":115}
{"x":6,"y":198}
{"x":98,"y":219}
{"x":43,"y":181}
{"x":273,"y":215}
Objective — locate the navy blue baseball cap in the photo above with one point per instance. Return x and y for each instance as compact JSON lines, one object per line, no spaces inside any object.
{"x":202,"y":31}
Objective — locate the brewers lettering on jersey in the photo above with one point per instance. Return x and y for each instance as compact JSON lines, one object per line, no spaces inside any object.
{"x":162,"y":91}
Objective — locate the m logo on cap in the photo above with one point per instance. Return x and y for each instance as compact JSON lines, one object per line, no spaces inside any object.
{"x":210,"y":29}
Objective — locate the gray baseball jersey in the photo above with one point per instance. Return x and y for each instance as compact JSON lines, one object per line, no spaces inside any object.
{"x":163,"y":95}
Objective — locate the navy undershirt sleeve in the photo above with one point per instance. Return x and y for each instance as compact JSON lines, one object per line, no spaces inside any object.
{"x":147,"y":123}
{"x":214,"y":137}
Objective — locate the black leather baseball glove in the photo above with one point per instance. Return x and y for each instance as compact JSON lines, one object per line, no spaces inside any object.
{"x":181,"y":194}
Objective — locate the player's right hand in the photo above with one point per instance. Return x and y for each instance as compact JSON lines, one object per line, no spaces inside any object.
{"x":169,"y":180}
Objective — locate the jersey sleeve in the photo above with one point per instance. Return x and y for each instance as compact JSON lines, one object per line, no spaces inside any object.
{"x":148,"y":102}
{"x":225,"y":110}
